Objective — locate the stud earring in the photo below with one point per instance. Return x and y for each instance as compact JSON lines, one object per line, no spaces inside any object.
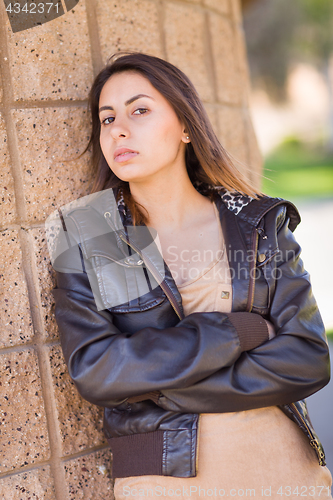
{"x":187,"y":137}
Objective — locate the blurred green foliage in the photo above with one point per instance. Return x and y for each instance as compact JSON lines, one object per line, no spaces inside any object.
{"x":330,"y":335}
{"x":316,"y":28}
{"x":297,"y":170}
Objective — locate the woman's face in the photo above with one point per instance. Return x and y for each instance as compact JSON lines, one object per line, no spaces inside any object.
{"x":141,"y":136}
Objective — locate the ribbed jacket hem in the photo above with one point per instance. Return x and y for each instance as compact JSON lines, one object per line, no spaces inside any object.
{"x":251,"y":328}
{"x":137,"y":454}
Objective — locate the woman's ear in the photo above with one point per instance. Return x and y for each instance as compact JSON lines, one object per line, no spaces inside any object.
{"x":186,"y":137}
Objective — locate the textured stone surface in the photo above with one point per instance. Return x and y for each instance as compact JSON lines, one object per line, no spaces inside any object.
{"x":7,"y":196}
{"x":48,"y":139}
{"x":1,"y":86}
{"x":255,"y":157}
{"x":89,"y":477}
{"x":236,"y":10}
{"x":232,"y":133}
{"x":229,"y":81}
{"x":24,"y":438}
{"x":218,"y":5}
{"x":184,"y":33}
{"x":128,"y":25}
{"x":52,"y":61}
{"x":46,"y":279}
{"x":240,"y":49}
{"x":34,"y":485}
{"x":15,"y":319}
{"x":212,"y":115}
{"x":80,"y":422}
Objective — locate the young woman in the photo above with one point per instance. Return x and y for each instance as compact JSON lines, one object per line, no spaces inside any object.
{"x":183,"y":306}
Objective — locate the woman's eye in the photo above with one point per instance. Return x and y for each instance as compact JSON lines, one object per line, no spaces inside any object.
{"x":108,"y":120}
{"x":140,"y":111}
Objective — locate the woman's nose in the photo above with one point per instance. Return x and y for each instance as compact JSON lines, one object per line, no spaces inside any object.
{"x":119,"y":129}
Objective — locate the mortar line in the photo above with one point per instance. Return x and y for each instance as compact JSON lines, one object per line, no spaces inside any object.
{"x":86,"y":452}
{"x":27,"y":346}
{"x":48,"y":103}
{"x":95,"y":43}
{"x":32,"y":225}
{"x":12,"y":143}
{"x":198,"y":6}
{"x":210,"y":66}
{"x":27,"y":264}
{"x":30,"y":272}
{"x":45,"y":463}
{"x":161,"y":21}
{"x":244,"y":75}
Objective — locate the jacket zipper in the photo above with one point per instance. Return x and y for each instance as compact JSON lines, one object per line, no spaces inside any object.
{"x":166,"y":289}
{"x":255,"y":239}
{"x":252,"y":274}
{"x":313,"y":441}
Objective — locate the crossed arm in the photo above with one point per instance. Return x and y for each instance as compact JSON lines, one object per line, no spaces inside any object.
{"x":205,"y":363}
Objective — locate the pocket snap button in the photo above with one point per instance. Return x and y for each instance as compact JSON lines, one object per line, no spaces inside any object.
{"x":261,"y":257}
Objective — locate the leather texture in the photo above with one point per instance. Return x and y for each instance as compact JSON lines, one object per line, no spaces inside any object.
{"x":181,"y":367}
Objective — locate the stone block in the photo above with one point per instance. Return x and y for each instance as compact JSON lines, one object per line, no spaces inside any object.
{"x":46,"y":280}
{"x":1,"y":86}
{"x":221,"y":6}
{"x":212,"y":115}
{"x":184,"y":28}
{"x":80,"y":422}
{"x":233,"y":136}
{"x":33,"y":485}
{"x":52,"y":61}
{"x":240,"y":49}
{"x":50,"y":141}
{"x":129,"y":25}
{"x":89,"y":477}
{"x":15,"y":320}
{"x":230,"y":83}
{"x":24,"y":437}
{"x":236,"y":10}
{"x":255,"y":157}
{"x":7,"y":195}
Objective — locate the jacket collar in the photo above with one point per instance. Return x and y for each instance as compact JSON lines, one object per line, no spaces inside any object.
{"x":249,"y":209}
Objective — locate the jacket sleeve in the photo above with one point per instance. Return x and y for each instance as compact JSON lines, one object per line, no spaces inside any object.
{"x":109,"y":366}
{"x":290,"y":367}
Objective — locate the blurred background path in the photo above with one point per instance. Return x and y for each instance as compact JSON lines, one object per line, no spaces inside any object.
{"x":316,"y":238}
{"x":290,"y":53}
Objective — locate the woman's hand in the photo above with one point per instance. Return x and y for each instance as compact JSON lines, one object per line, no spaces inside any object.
{"x":271,"y":330}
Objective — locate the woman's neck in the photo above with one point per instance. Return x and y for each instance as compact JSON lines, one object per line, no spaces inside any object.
{"x":173,"y":205}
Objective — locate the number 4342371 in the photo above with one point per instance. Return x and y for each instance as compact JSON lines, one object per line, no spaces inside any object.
{"x":32,"y":8}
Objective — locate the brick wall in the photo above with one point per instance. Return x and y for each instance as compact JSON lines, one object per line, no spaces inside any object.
{"x":52,"y":446}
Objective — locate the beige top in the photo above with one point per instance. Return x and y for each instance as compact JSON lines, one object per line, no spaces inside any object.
{"x":255,"y":453}
{"x":211,"y":289}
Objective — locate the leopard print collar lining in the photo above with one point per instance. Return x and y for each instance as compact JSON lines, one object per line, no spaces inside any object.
{"x":234,"y":201}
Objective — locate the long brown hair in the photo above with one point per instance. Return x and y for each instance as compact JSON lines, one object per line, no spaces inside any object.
{"x":206,"y":160}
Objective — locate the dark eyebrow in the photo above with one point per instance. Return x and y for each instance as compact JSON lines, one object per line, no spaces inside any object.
{"x":129,"y":101}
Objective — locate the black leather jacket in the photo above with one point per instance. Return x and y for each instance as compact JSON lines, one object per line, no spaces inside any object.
{"x":154,"y":370}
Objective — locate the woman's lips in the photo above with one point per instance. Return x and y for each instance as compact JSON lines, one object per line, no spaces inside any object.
{"x":124,"y":155}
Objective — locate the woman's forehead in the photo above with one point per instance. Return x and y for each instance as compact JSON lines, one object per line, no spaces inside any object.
{"x":121,"y":88}
{"x":126,"y":81}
